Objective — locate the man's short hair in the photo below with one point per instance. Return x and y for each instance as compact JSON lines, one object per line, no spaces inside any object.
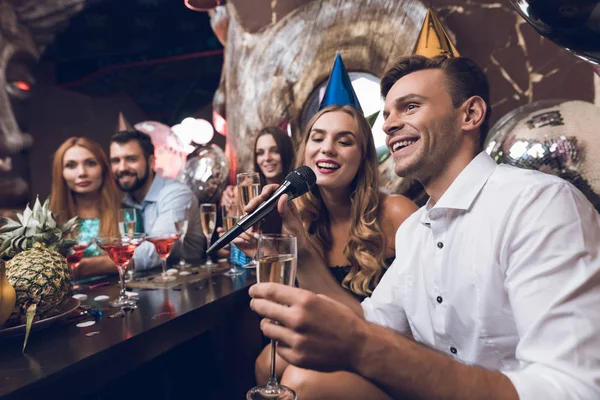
{"x":464,"y":79}
{"x":144,"y":140}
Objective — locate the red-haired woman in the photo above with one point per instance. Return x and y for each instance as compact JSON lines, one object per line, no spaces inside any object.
{"x":82,"y":186}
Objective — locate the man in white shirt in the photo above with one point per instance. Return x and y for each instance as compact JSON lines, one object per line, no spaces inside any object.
{"x":495,"y":290}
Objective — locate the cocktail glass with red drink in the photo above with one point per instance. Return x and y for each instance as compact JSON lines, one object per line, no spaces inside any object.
{"x":120,"y":250}
{"x":163,"y":242}
{"x":74,"y":258}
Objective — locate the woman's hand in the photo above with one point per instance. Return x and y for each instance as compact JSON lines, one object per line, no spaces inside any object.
{"x":292,"y":224}
{"x":228,"y":197}
{"x":246,"y":242}
{"x":225,"y":251}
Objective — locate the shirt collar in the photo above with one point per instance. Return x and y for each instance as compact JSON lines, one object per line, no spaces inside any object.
{"x":464,"y":190}
{"x":152,"y":196}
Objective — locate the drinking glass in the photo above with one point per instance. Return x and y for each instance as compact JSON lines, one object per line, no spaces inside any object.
{"x":75,"y":254}
{"x":276,"y":256}
{"x":74,"y":258}
{"x":127,"y":221}
{"x":208,"y":217}
{"x":120,"y":249}
{"x":230,"y":217}
{"x":248,"y":186}
{"x":181,"y":218}
{"x":163,"y":242}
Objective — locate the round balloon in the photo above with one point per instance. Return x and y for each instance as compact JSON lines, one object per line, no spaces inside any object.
{"x":169,"y":151}
{"x":572,"y":24}
{"x":559,"y":137}
{"x":206,"y":173}
{"x":203,"y":5}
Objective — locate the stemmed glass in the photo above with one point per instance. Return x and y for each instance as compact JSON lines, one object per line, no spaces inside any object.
{"x":181,"y":218}
{"x":208,"y":217}
{"x":75,"y":254}
{"x":120,"y":250}
{"x":163,"y":241}
{"x":277,"y":257}
{"x":74,"y":258}
{"x":127,"y":221}
{"x":248,"y":186}
{"x":230,"y":217}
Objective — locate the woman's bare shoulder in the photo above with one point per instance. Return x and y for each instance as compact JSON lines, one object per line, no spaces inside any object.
{"x":396,"y":208}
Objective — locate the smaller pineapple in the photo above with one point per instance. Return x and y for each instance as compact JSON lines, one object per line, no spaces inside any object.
{"x":36,"y":247}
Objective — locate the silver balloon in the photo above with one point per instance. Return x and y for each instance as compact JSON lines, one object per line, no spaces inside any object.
{"x":558,"y":137}
{"x":206,"y":173}
{"x":572,"y":24}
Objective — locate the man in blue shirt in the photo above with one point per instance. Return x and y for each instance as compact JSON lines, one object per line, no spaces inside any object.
{"x":158,"y":199}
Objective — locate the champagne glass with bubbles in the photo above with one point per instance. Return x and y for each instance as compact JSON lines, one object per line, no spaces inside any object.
{"x":127,"y":221}
{"x":208,"y":218}
{"x":181,"y":220}
{"x":276,"y":257}
{"x":248,"y":186}
{"x":231,"y":216}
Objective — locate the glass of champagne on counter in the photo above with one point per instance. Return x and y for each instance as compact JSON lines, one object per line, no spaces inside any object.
{"x":276,"y":256}
{"x":127,"y":222}
{"x":181,"y":220}
{"x":231,"y":216}
{"x":248,"y":186}
{"x":208,"y":218}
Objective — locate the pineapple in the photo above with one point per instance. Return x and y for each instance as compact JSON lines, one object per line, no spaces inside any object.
{"x":36,"y":247}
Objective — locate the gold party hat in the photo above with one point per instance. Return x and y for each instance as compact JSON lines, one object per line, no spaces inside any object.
{"x":123,"y":124}
{"x":433,"y":40}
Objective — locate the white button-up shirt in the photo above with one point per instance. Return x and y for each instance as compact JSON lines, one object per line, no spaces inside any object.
{"x":503,"y":272}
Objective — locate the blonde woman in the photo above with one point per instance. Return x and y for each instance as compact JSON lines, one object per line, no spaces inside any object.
{"x":350,"y":222}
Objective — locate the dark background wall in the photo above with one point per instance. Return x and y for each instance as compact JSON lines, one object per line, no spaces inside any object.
{"x":157,"y":60}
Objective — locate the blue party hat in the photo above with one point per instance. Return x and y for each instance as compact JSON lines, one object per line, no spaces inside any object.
{"x":339,"y":88}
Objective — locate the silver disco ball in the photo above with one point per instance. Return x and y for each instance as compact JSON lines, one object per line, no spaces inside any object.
{"x":572,"y":24}
{"x":559,"y":137}
{"x":206,"y":173}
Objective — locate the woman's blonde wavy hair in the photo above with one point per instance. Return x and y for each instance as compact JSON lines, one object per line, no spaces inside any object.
{"x":367,"y":244}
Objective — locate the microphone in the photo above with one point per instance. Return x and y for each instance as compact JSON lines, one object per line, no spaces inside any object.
{"x":295,"y":184}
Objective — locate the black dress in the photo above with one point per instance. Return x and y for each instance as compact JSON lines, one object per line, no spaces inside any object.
{"x":340,"y":272}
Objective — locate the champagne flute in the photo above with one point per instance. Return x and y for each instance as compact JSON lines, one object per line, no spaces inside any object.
{"x":127,"y":221}
{"x":277,"y":257}
{"x":120,"y":249}
{"x":230,"y":217}
{"x":181,"y":219}
{"x":163,"y":241}
{"x":208,"y":217}
{"x":248,"y":186}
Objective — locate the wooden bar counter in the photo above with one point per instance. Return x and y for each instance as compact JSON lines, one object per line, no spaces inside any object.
{"x":196,"y":340}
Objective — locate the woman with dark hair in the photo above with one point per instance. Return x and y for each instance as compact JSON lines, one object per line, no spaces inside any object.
{"x":82,"y":186}
{"x":273,"y":155}
{"x":273,"y":160}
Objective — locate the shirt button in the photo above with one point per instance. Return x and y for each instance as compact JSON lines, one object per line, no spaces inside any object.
{"x":440,"y":245}
{"x":439,"y":299}
{"x":453,"y":350}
